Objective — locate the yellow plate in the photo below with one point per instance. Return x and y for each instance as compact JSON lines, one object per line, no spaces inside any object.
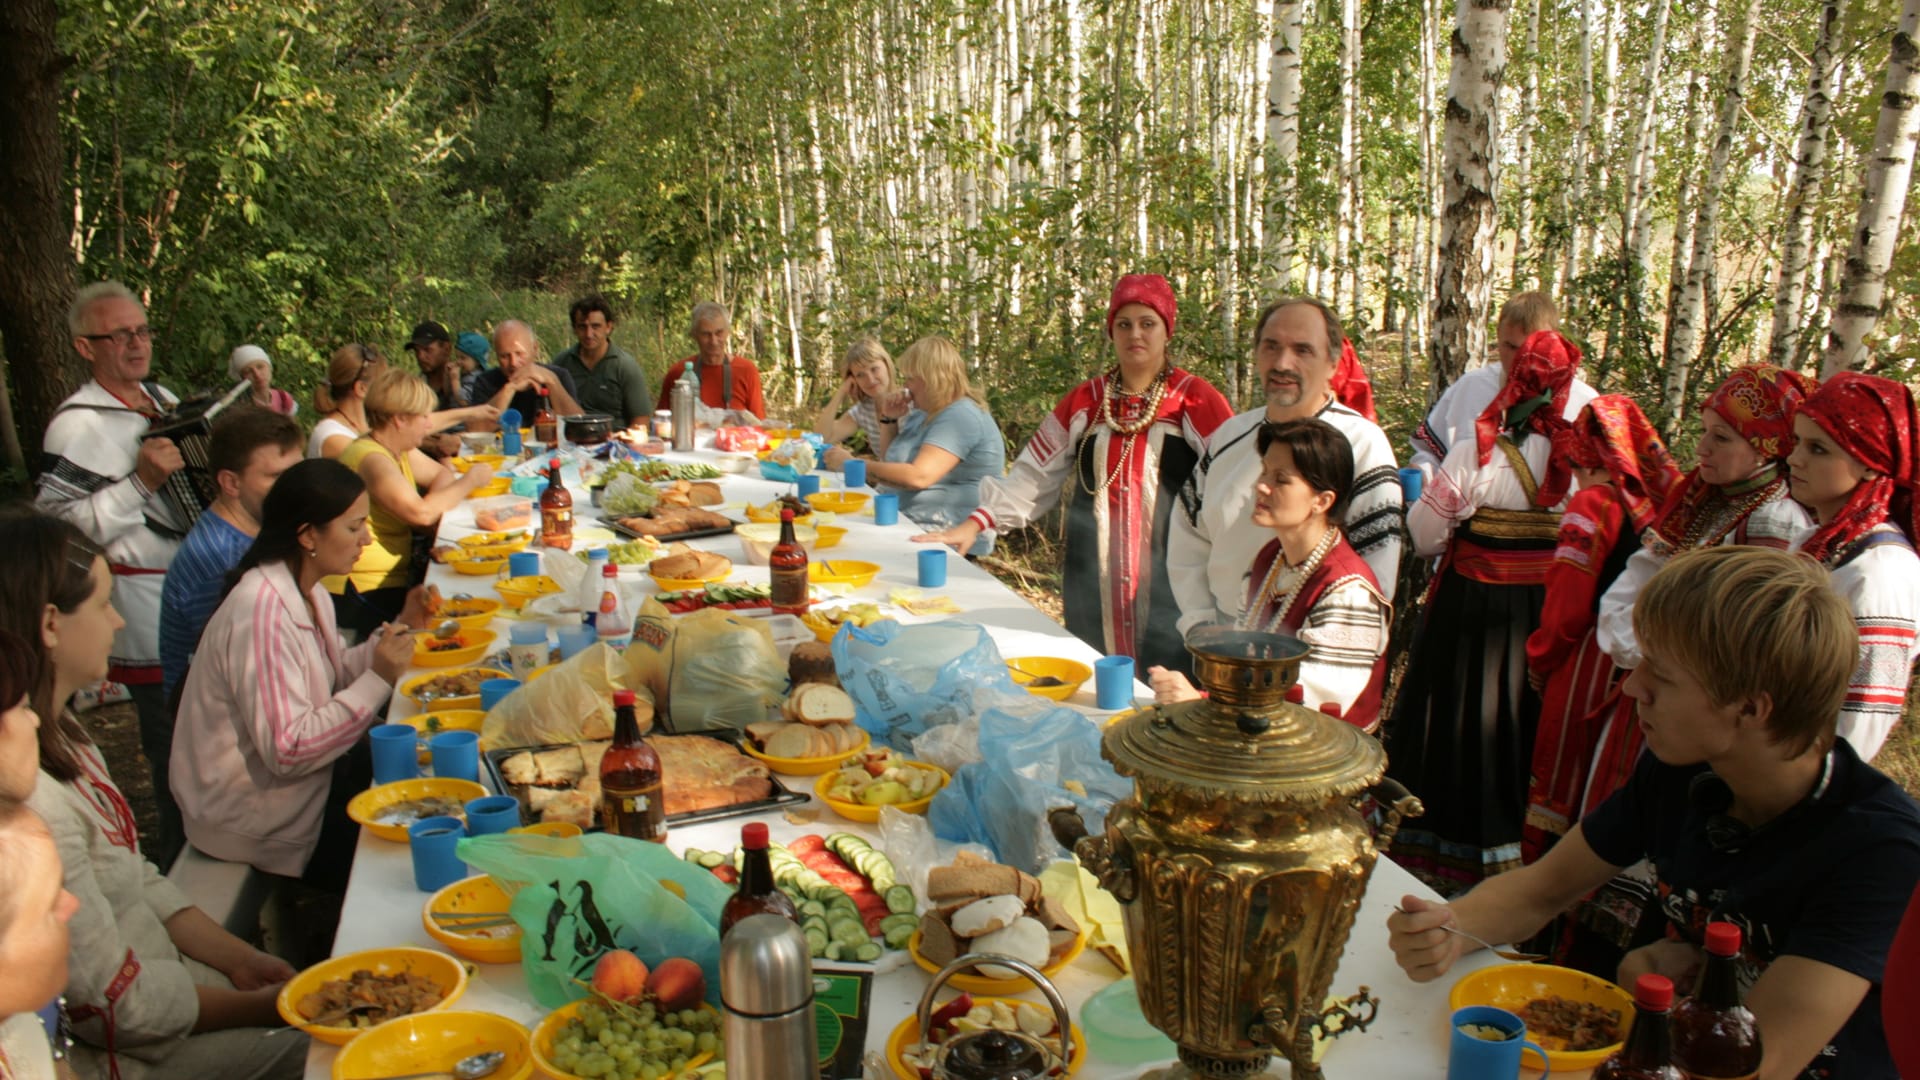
{"x":761,"y":513}
{"x":518,"y":538}
{"x":411,"y":688}
{"x":515,"y":592}
{"x":1071,"y":673}
{"x":462,"y":464}
{"x":975,"y":983}
{"x":436,"y":1041}
{"x":1123,"y":714}
{"x":365,"y":807}
{"x":446,"y":972}
{"x":556,"y":1021}
{"x":539,"y":671}
{"x":843,"y":572}
{"x":680,"y":584}
{"x":1512,"y":986}
{"x":907,"y":1033}
{"x":473,"y":645}
{"x":862,"y":812}
{"x":429,"y":724}
{"x":830,"y":535}
{"x":473,"y":614}
{"x":475,"y":894}
{"x":480,"y":565}
{"x":807,"y":766}
{"x":557,"y":830}
{"x":837,"y":502}
{"x":499,"y":485}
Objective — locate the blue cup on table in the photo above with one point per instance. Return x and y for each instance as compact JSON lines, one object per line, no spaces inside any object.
{"x":1485,"y":1044}
{"x":886,"y":508}
{"x":523,"y":564}
{"x":491,"y":814}
{"x":436,"y":859}
{"x":395,"y":752}
{"x":574,"y":640}
{"x":809,"y":484}
{"x":510,"y":432}
{"x":456,"y":755}
{"x":1113,"y":682}
{"x":492,"y":690}
{"x":933,"y":566}
{"x":854,"y":473}
{"x":1412,"y":480}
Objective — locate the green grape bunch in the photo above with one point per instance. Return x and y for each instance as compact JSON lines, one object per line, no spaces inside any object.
{"x":634,"y":1042}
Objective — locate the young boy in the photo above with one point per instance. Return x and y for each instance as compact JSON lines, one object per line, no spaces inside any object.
{"x":1749,"y":808}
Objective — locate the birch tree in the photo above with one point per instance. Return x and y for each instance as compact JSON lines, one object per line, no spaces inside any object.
{"x":1523,"y":152}
{"x":1468,"y":218}
{"x":1283,"y":143}
{"x":1809,"y":170}
{"x":1347,"y":216}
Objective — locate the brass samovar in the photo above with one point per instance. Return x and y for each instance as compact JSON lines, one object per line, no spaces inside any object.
{"x":1240,"y":858}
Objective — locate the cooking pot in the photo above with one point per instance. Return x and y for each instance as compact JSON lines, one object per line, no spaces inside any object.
{"x":586,"y":429}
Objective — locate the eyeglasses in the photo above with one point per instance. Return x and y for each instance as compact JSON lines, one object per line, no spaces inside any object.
{"x":124,"y":338}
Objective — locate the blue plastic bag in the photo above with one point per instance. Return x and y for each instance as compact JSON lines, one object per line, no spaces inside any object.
{"x":906,"y":679}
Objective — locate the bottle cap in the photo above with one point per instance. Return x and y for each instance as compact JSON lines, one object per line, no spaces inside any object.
{"x":786,"y":514}
{"x":753,"y":835}
{"x":609,"y":570}
{"x":553,"y":463}
{"x":1331,"y":708}
{"x":1653,"y":993}
{"x":1723,"y":939}
{"x":597,"y":553}
{"x":1297,"y":694}
{"x":623,"y":699}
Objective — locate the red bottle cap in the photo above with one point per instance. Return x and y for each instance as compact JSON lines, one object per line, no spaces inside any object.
{"x":1653,"y":993}
{"x":1331,"y":708}
{"x":623,"y":699}
{"x":786,"y":513}
{"x":553,"y":464}
{"x":609,"y":570}
{"x":753,"y":835}
{"x":1723,"y":939}
{"x":1297,"y":694}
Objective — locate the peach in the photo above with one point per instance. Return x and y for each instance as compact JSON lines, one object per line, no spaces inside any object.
{"x":620,"y":976}
{"x":678,"y":983}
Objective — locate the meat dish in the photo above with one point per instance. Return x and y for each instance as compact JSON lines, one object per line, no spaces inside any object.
{"x":1571,"y":1024}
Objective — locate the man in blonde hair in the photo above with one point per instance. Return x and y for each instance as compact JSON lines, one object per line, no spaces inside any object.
{"x":1749,"y":809}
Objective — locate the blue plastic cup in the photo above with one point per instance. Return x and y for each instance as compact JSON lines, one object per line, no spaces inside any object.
{"x":886,"y":508}
{"x":574,"y":640}
{"x":809,"y":484}
{"x":456,"y":755}
{"x":854,"y":472}
{"x":1485,"y":1044}
{"x":510,"y":432}
{"x":491,"y":814}
{"x":1112,"y":682}
{"x":933,"y":567}
{"x":1411,"y":482}
{"x":436,"y":859}
{"x":492,"y":690}
{"x":395,"y":752}
{"x":523,"y":564}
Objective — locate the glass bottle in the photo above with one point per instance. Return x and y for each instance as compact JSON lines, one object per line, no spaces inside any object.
{"x":630,"y":782}
{"x":556,"y":510}
{"x":546,"y":430}
{"x":758,"y":894}
{"x":1648,"y":1053}
{"x":613,"y":622}
{"x":788,"y":563}
{"x":1715,"y":1036}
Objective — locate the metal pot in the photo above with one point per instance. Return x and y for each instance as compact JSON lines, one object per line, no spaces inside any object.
{"x":586,"y":429}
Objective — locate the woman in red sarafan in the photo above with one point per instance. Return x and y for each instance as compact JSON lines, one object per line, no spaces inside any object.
{"x":1625,"y":474}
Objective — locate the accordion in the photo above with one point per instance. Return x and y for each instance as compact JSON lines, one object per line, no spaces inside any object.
{"x":191,"y":489}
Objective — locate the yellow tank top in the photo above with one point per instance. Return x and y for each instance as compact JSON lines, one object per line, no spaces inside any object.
{"x":383,"y":565}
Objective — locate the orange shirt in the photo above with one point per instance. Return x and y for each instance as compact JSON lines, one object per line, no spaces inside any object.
{"x":741,"y":379}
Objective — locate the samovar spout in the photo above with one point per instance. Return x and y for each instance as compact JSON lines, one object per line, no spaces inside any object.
{"x":1105,"y":857}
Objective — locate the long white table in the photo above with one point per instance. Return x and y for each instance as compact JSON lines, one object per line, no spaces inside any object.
{"x":1408,"y":1040}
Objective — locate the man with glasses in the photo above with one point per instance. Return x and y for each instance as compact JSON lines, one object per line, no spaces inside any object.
{"x":98,"y":472}
{"x":609,"y":379}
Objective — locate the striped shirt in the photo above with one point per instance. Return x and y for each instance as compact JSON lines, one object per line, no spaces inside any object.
{"x":194,"y":583}
{"x":1879,"y":577}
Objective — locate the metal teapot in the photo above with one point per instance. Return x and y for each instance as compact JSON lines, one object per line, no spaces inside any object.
{"x":992,"y":1054}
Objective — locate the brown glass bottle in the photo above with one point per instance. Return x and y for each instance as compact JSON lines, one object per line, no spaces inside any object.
{"x":1648,"y":1053}
{"x":632,"y":803}
{"x":546,"y":429}
{"x":1715,"y":1036}
{"x":556,"y":510}
{"x":789,"y":566}
{"x":757,"y":894}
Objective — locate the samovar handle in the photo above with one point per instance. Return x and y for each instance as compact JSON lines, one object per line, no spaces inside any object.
{"x":1107,"y":858}
{"x":1400,"y":804}
{"x":974,"y":960}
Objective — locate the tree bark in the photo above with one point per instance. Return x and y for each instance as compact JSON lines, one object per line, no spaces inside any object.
{"x":36,"y":263}
{"x":1283,"y":143}
{"x":1347,"y":228}
{"x":1574,"y":195}
{"x":1809,"y":170}
{"x":1523,"y":155}
{"x":1467,"y":223}
{"x":1882,"y":198}
{"x":1636,"y":214}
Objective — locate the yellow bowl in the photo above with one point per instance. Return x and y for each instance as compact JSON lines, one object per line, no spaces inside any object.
{"x":675,"y":584}
{"x":516,"y":539}
{"x":975,"y":983}
{"x":515,"y":592}
{"x":829,"y":536}
{"x":480,"y":565}
{"x":871,"y":814}
{"x":436,"y":1041}
{"x":839,"y":502}
{"x":907,"y":1033}
{"x":807,"y":766}
{"x":366,"y":807}
{"x":429,"y":724}
{"x":412,"y":687}
{"x":462,"y":464}
{"x":499,"y":485}
{"x":473,"y":644}
{"x":762,"y":513}
{"x":475,"y":894}
{"x":446,"y":972}
{"x":1512,"y":986}
{"x":556,"y":1022}
{"x":824,"y":628}
{"x":473,"y":614}
{"x":1071,"y":673}
{"x":759,"y":538}
{"x":557,"y":830}
{"x":843,"y":572}
{"x":539,"y":671}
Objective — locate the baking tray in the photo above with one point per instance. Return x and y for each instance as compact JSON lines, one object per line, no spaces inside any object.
{"x":782,"y":795}
{"x":694,"y":534}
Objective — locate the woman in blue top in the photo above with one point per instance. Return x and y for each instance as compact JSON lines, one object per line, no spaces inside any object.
{"x":946,"y":441}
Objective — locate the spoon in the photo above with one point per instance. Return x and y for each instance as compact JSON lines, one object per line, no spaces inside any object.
{"x":447,"y":629}
{"x":467,"y":1068}
{"x":1504,"y":954}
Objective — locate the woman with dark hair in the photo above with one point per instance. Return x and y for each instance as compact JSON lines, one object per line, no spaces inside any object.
{"x":1308,"y":581}
{"x":154,"y":987}
{"x":274,"y":697}
{"x":19,"y":723}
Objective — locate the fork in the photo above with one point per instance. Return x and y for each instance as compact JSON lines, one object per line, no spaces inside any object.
{"x":1513,"y":955}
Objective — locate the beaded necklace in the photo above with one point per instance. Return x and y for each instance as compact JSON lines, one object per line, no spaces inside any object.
{"x":1108,"y":415}
{"x":1703,"y":533}
{"x":1270,"y":589}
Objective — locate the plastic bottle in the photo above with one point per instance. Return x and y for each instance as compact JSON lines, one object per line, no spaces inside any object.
{"x":630,"y":779}
{"x":1648,"y":1053}
{"x":1715,"y":1036}
{"x":757,"y":894}
{"x":556,"y":510}
{"x":587,"y":596}
{"x":788,"y":564}
{"x":613,"y":621}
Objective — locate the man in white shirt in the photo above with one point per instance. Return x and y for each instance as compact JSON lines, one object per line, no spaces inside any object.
{"x":1214,"y":539}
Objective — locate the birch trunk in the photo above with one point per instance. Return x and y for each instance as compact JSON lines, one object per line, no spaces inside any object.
{"x":1636,"y":214}
{"x":1346,"y":242}
{"x":1283,"y":143}
{"x":1809,"y":170}
{"x":1471,"y":171}
{"x":1705,"y":44}
{"x":1573,"y":202}
{"x":1523,"y":153}
{"x":1882,"y":198}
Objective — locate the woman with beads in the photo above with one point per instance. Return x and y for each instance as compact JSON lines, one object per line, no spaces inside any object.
{"x":1308,"y":582}
{"x":1120,"y":445}
{"x":1458,"y":737}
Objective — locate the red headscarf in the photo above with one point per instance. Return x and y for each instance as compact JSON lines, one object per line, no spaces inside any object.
{"x":1612,"y":433}
{"x":1542,"y":369}
{"x":1149,"y":289}
{"x":1758,"y":401}
{"x":1873,"y":420}
{"x":1350,"y":384}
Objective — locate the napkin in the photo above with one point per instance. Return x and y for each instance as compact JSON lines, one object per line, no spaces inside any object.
{"x":918,"y":603}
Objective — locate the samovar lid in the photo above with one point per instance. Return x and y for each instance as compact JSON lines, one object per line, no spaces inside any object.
{"x":1246,"y":741}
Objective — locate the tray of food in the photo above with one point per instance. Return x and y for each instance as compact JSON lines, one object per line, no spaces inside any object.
{"x":707,"y":778}
{"x":673,"y":523}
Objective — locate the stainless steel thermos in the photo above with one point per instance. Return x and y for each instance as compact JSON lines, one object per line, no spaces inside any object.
{"x":766,"y":986}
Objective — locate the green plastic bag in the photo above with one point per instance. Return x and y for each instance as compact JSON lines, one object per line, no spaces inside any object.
{"x":578,"y":897}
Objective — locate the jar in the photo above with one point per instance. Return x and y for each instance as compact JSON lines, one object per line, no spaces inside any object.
{"x":663,"y":425}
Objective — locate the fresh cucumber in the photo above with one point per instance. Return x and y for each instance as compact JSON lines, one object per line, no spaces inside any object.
{"x":900,"y":899}
{"x":866,"y":953}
